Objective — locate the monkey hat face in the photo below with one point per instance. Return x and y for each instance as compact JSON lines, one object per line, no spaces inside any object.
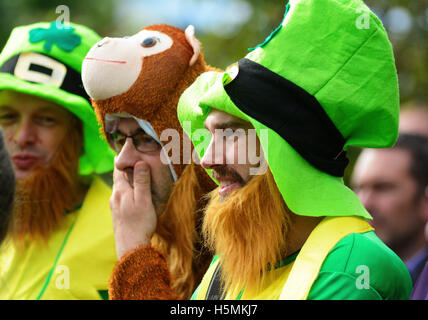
{"x":143,"y":76}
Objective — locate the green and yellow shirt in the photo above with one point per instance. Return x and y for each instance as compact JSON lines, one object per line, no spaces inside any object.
{"x":359,"y":267}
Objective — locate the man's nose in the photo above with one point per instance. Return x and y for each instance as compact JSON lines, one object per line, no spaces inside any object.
{"x":214,"y":155}
{"x":26,"y":133}
{"x":367,"y":198}
{"x":128,"y":156}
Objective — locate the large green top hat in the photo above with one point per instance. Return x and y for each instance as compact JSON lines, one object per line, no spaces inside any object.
{"x":324,"y":80}
{"x":45,"y":59}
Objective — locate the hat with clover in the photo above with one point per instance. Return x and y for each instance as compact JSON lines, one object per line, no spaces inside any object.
{"x":44,"y":60}
{"x":322,"y":81}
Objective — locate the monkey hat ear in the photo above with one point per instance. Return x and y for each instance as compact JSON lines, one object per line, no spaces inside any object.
{"x":194,"y":43}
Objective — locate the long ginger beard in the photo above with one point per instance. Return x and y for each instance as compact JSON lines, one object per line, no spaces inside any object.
{"x":248,"y":230}
{"x":43,"y":198}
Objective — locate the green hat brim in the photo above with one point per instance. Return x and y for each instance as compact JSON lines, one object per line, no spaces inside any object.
{"x":306,"y":190}
{"x":96,"y":159}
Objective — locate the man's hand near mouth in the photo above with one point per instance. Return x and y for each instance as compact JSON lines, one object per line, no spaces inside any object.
{"x":133,"y":212}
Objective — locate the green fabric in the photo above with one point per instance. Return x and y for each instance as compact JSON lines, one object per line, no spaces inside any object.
{"x":388,"y":276}
{"x":287,"y":7}
{"x":194,"y":295}
{"x":48,"y":278}
{"x":339,"y":274}
{"x":352,"y":74}
{"x":103,"y":294}
{"x":68,"y":45}
{"x":64,"y":38}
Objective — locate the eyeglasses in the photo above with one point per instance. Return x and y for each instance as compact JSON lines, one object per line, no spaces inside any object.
{"x":141,"y":140}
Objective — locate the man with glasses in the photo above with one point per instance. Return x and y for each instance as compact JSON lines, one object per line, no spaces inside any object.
{"x":156,"y":201}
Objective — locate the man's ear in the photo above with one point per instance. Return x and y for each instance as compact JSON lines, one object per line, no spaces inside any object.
{"x":194,"y":43}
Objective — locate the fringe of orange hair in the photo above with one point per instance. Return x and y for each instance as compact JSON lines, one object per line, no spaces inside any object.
{"x":248,"y":230}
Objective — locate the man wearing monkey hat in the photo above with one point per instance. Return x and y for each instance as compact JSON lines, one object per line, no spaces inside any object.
{"x":60,"y":244}
{"x":135,"y":83}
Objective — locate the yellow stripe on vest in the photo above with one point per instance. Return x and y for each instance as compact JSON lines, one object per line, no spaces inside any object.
{"x":313,"y":253}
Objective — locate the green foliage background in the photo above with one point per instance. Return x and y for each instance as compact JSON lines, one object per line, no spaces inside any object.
{"x":411,"y":51}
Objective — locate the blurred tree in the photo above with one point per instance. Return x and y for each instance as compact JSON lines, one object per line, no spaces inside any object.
{"x":266,"y":16}
{"x":405,"y":21}
{"x":407,"y":26}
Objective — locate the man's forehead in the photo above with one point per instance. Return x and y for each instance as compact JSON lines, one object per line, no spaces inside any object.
{"x":126,"y":125}
{"x":381,"y":162}
{"x":23,"y":101}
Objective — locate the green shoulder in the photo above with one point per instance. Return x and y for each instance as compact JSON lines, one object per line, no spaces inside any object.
{"x":362,"y":267}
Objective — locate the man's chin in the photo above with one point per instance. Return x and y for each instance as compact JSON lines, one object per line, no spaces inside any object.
{"x":21,"y":174}
{"x":25,"y":172}
{"x":226,"y":190}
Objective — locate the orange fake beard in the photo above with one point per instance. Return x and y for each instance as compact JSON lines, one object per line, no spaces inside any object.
{"x":248,"y":230}
{"x":176,"y":234}
{"x":43,"y":198}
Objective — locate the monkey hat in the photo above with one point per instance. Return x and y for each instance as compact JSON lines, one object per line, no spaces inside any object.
{"x":44,"y":60}
{"x":324,"y":80}
{"x":142,"y":77}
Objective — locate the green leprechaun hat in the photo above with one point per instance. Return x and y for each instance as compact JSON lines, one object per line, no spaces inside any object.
{"x":324,"y":80}
{"x":44,"y":60}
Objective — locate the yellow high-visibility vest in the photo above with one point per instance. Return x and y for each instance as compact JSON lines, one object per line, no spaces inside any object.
{"x":76,"y":262}
{"x":294,"y":281}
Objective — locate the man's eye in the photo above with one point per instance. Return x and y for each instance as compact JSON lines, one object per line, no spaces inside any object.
{"x":118,"y":138}
{"x":7,"y":118}
{"x":385,"y":187}
{"x":228,"y":132}
{"x":46,"y":120}
{"x":121,"y":140}
{"x":146,"y":140}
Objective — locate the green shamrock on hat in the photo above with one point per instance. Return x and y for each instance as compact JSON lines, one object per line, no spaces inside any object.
{"x":59,"y":34}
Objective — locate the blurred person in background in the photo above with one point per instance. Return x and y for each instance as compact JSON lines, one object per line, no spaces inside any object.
{"x":393,"y":186}
{"x":7,"y":189}
{"x":60,"y":244}
{"x":414,"y":118}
